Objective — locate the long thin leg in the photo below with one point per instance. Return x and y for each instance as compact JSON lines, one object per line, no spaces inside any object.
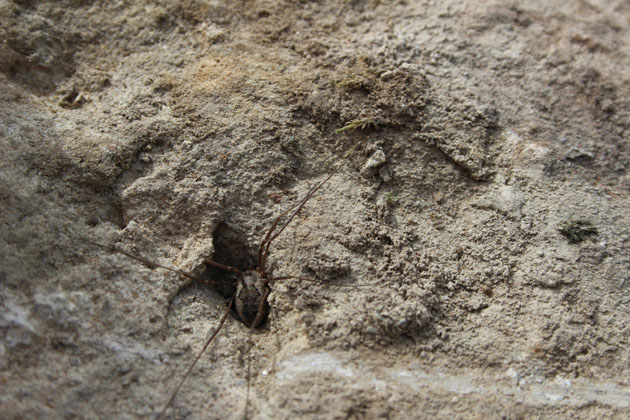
{"x":205,"y":346}
{"x":249,"y":373}
{"x":222,"y":267}
{"x":268,"y":238}
{"x":318,"y":282}
{"x":152,"y":265}
{"x":143,"y":260}
{"x":261,"y":311}
{"x":261,"y":269}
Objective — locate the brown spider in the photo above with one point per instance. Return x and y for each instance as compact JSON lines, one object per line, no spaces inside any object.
{"x":252,"y":288}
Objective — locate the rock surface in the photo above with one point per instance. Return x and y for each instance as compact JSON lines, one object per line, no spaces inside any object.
{"x":461,"y":136}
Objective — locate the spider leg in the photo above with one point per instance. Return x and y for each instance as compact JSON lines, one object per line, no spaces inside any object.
{"x":222,"y":267}
{"x":205,"y":346}
{"x":266,"y":243}
{"x":153,"y":265}
{"x":318,"y":282}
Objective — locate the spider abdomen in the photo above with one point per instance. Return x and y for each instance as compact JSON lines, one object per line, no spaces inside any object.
{"x":250,"y":300}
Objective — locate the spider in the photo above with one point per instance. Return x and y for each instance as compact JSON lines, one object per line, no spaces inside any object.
{"x":252,"y":288}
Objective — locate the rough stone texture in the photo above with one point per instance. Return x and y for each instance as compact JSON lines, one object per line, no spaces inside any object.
{"x":462,"y":136}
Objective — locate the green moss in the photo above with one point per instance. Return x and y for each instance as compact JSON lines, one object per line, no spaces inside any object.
{"x":362,"y":124}
{"x":577,"y":230}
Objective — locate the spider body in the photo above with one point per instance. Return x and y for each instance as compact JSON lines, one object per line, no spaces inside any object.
{"x":250,"y":299}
